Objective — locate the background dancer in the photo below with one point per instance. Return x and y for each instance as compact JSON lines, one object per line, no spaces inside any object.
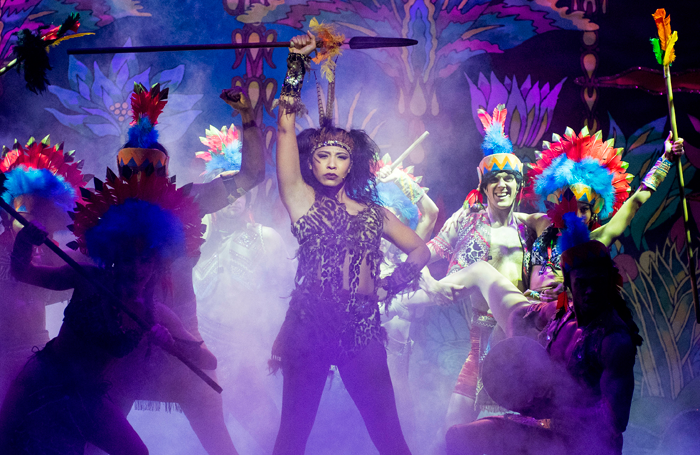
{"x":327,"y":186}
{"x":491,"y":234}
{"x":132,"y":229}
{"x":164,"y":380}
{"x":401,"y":193}
{"x":240,"y":281}
{"x":42,"y":184}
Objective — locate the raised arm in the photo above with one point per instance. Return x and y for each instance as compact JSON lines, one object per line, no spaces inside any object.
{"x":618,"y":223}
{"x":296,"y":195}
{"x":213,"y":196}
{"x":55,"y":278}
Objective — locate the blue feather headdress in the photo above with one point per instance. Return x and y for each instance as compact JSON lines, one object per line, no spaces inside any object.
{"x":497,"y":148}
{"x":590,"y":167}
{"x":393,"y":198}
{"x":40,"y":183}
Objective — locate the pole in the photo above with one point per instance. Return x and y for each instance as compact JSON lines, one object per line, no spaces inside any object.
{"x":681,"y":181}
{"x":357,"y":42}
{"x":408,"y":151}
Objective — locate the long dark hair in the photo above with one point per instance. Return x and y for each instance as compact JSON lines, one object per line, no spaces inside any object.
{"x":361,"y":183}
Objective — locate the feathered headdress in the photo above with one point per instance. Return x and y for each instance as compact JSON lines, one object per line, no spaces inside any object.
{"x":143,"y":148}
{"x":40,"y":169}
{"x":330,"y":43}
{"x":497,"y":148}
{"x":590,"y":168}
{"x":146,"y":105}
{"x":391,"y":196}
{"x":145,"y":211}
{"x":224,"y":152}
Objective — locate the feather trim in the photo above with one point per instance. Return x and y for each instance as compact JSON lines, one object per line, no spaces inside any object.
{"x":575,"y":233}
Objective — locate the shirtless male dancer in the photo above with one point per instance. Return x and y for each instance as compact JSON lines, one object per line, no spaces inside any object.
{"x":492,"y":234}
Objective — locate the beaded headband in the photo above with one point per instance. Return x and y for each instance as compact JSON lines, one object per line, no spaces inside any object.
{"x":333,"y":143}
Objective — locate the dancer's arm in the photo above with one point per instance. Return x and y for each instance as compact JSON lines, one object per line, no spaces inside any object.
{"x":214,"y":195}
{"x":442,"y":245}
{"x":406,"y":240}
{"x":535,"y":221}
{"x":296,"y":195}
{"x":55,"y":278}
{"x":169,"y":331}
{"x":616,"y":226}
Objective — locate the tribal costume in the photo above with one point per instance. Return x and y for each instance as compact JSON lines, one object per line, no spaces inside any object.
{"x":35,"y":172}
{"x":324,"y":320}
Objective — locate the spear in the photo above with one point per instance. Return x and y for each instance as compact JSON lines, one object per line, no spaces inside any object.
{"x":408,"y":151}
{"x":104,"y":290}
{"x":356,"y":42}
{"x":665,"y":55}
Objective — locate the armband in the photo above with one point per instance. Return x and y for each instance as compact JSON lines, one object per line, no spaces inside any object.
{"x":290,"y":95}
{"x":657,"y":173}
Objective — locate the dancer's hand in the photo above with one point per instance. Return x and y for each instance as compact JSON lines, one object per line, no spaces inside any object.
{"x":161,"y":336}
{"x":552,"y":293}
{"x":34,"y":234}
{"x":672,"y":150}
{"x":386,"y":175}
{"x":446,"y":293}
{"x":237,"y":98}
{"x":303,"y":44}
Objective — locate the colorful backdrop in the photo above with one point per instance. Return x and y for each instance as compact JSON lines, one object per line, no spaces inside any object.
{"x":553,"y":63}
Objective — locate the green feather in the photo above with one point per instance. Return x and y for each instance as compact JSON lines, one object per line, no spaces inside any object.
{"x":656,"y":45}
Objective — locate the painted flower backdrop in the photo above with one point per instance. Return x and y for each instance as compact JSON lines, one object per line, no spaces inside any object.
{"x":448,"y":34}
{"x":530,"y":108}
{"x":100,"y":103}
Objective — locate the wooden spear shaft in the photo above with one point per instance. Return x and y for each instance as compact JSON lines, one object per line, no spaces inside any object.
{"x":681,"y":181}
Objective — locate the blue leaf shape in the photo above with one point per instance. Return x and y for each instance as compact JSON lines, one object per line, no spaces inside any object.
{"x":78,"y":72}
{"x":142,"y":78}
{"x":103,"y":129}
{"x":104,"y":90}
{"x":74,"y":122}
{"x":170,"y":78}
{"x":69,"y":99}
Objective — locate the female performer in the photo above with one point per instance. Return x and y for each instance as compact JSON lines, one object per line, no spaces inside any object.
{"x":327,"y":186}
{"x":60,"y":400}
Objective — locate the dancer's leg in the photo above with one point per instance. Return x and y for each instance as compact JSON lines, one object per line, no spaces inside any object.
{"x":111,"y":432}
{"x":248,"y":400}
{"x":301,"y":395}
{"x":502,"y":297}
{"x":204,"y":409}
{"x":366,"y":378}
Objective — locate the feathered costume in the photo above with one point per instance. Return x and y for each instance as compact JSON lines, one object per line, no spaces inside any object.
{"x":146,"y":209}
{"x":38,"y":169}
{"x":143,"y":149}
{"x":588,"y":167}
{"x":497,"y":149}
{"x":404,"y":199}
{"x":224,"y":152}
